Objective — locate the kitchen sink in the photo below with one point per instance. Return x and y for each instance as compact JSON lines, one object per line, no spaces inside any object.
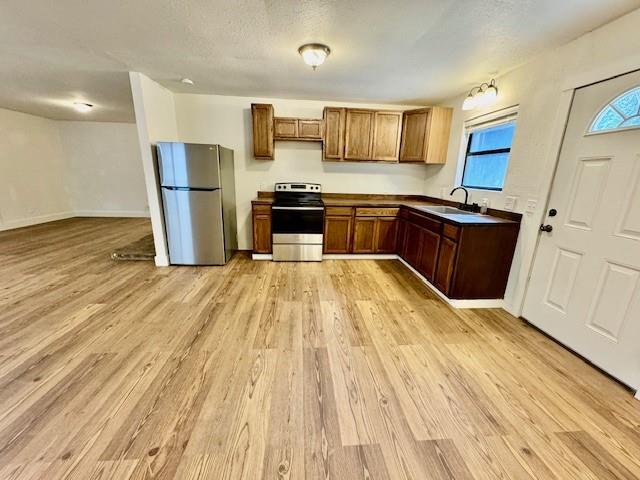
{"x":447,"y":210}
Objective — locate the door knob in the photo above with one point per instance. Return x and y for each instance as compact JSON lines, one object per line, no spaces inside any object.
{"x":546,"y":228}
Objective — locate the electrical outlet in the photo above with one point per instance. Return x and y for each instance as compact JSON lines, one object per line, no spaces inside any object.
{"x":531,"y":205}
{"x":510,"y":203}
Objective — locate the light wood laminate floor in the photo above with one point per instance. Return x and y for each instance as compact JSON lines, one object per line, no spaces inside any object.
{"x":342,"y":370}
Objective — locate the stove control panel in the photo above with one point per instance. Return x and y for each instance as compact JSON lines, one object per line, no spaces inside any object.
{"x":298,"y":187}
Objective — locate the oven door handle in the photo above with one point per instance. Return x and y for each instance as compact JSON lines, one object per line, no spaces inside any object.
{"x":297,"y":208}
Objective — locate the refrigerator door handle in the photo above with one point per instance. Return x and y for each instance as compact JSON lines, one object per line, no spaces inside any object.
{"x":191,"y":189}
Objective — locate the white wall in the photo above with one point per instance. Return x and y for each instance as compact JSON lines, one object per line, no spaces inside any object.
{"x":539,"y":87}
{"x":227,"y":120}
{"x":32,"y":171}
{"x":104,"y":169}
{"x":155,"y":121}
{"x":55,"y":169}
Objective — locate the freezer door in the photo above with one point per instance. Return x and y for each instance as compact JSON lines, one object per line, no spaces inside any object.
{"x":193,"y":220}
{"x":188,"y":165}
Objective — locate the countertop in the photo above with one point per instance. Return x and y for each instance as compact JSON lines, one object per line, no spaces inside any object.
{"x":409,"y":202}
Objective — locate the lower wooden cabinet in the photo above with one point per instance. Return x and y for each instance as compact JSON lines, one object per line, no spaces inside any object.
{"x":364,"y":235}
{"x":446,"y":263}
{"x":412,"y":246}
{"x":337,"y":233}
{"x":386,"y":235}
{"x":261,"y":216}
{"x":429,"y":249}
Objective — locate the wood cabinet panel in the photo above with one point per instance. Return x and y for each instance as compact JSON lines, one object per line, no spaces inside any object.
{"x":386,"y":234}
{"x":386,"y":136}
{"x":285,"y":128}
{"x":429,"y":249}
{"x":334,"y":126}
{"x":364,"y":235}
{"x":446,"y":264}
{"x":412,"y":246}
{"x":338,"y":211}
{"x":310,"y":129}
{"x":337,"y":234}
{"x":376,"y":212}
{"x":426,"y":222}
{"x":414,"y":135}
{"x":359,"y":134}
{"x":261,"y":233}
{"x":402,"y":236}
{"x":262,"y":121}
{"x":451,"y":231}
{"x":425,"y":135}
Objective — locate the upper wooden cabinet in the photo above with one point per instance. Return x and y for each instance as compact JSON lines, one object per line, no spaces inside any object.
{"x":262,"y":119}
{"x":285,"y":128}
{"x":334,"y":124}
{"x":372,"y":135}
{"x":303,"y":129}
{"x":425,"y":135}
{"x":358,"y":134}
{"x":386,"y":136}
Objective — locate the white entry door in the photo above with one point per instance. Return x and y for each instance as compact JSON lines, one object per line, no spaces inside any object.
{"x":585,"y":284}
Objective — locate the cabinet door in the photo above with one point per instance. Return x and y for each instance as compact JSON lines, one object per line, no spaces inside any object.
{"x":412,"y":245}
{"x":386,"y":136}
{"x":262,"y":119}
{"x":309,"y":129}
{"x":401,"y":238}
{"x":285,"y":128}
{"x":446,"y":262}
{"x":429,"y":246}
{"x":358,"y":134}
{"x":386,"y":234}
{"x":334,"y":124}
{"x":438,"y":134}
{"x":414,"y":135}
{"x":364,"y":235}
{"x":261,"y":233}
{"x":337,"y":234}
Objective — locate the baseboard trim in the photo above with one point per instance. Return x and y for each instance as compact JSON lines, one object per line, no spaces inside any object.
{"x":360,"y":256}
{"x":161,"y":260}
{"x":28,"y":222}
{"x":461,"y":304}
{"x":112,"y":213}
{"x":261,"y":256}
{"x":637,"y":395}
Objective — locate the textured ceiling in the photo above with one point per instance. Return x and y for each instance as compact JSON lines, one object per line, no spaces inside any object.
{"x":412,"y":51}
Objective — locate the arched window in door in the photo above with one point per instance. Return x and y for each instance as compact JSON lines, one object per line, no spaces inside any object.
{"x":621,"y":113}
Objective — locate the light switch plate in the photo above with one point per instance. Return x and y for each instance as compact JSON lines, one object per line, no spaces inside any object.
{"x":531,"y":205}
{"x":510,"y":203}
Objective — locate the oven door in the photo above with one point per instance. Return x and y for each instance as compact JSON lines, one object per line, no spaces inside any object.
{"x":297,"y":221}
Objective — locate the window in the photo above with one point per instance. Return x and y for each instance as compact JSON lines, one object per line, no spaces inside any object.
{"x":487,"y":156}
{"x":621,"y":113}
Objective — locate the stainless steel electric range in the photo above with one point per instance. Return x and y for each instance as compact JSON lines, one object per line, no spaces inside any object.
{"x":297,"y":217}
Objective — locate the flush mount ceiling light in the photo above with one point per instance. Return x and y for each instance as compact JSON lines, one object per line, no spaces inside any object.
{"x":82,"y":107}
{"x":314,"y":54}
{"x":481,"y":96}
{"x":186,"y":81}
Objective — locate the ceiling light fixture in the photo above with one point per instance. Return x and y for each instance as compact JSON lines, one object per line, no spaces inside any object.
{"x":314,"y":54}
{"x":481,"y":96}
{"x":186,"y":81}
{"x":82,"y":107}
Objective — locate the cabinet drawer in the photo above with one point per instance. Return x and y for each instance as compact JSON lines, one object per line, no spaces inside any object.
{"x":376,"y":212}
{"x":262,"y":209}
{"x":451,"y":231}
{"x":426,"y":222}
{"x":285,"y":128}
{"x":339,"y":211}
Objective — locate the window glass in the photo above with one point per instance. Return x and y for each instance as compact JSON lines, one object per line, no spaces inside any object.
{"x":621,"y":112}
{"x":487,"y":158}
{"x":493,"y":138}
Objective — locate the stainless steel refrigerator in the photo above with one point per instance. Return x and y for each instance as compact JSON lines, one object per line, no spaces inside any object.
{"x":199,"y":202}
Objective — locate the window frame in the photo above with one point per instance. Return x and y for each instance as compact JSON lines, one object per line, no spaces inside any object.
{"x":493,"y":119}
